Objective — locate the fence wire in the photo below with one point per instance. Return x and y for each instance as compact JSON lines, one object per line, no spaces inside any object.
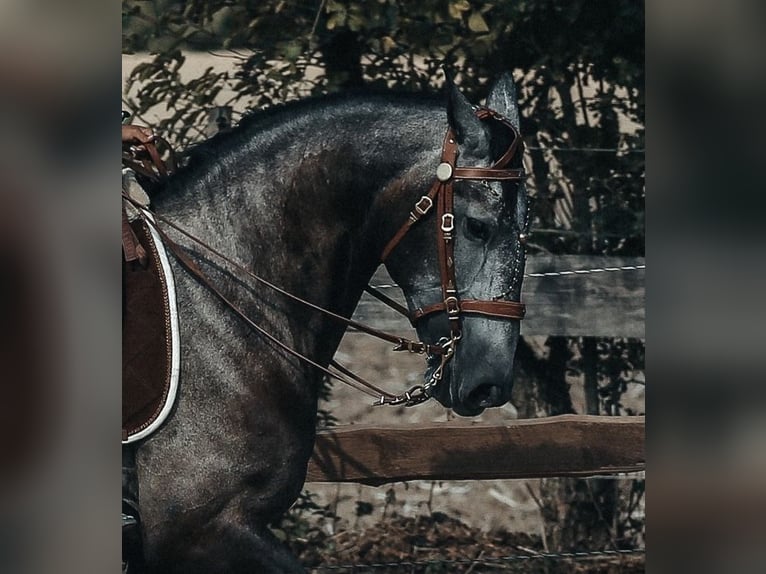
{"x":552,"y":273}
{"x":588,"y":149}
{"x":603,"y":554}
{"x":586,"y":271}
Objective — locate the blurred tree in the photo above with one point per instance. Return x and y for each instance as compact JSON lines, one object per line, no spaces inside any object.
{"x":579,"y":64}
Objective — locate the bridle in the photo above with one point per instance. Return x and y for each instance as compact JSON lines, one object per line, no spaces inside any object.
{"x":441,"y":193}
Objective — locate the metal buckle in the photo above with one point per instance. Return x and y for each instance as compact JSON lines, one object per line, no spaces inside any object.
{"x":448,"y":222}
{"x":428,"y":205}
{"x":453,"y":307}
{"x":410,"y":346}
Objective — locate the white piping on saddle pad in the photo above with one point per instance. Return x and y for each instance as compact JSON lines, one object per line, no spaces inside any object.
{"x":175,"y":338}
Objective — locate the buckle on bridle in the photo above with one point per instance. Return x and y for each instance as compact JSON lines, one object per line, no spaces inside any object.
{"x":452,"y":305}
{"x":422,"y":207}
{"x":448,"y":222}
{"x":410,"y":346}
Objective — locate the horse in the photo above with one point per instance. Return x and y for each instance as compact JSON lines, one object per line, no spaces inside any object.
{"x":308,"y":195}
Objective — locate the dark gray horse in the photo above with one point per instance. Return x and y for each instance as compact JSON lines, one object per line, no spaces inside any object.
{"x":308,"y":195}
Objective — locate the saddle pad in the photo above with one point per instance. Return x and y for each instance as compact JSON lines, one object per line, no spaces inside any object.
{"x":150,"y":345}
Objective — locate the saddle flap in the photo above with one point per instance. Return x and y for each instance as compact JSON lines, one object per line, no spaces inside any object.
{"x":149,"y":338}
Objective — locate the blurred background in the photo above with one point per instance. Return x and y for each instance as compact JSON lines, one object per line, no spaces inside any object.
{"x":580,"y":67}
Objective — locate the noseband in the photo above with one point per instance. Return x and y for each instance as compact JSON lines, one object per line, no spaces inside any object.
{"x":442,"y":193}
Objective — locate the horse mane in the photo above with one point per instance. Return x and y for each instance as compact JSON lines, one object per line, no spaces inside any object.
{"x":199,"y":157}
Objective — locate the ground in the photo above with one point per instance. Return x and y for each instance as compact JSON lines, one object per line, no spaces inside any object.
{"x":438,"y":543}
{"x":453,"y":522}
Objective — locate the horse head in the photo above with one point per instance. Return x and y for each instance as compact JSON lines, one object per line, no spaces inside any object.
{"x":486,"y":229}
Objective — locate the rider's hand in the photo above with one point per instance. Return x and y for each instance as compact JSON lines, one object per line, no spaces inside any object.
{"x":137,"y":134}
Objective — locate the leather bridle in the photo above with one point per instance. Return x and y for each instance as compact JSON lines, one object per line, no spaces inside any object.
{"x":442,"y":194}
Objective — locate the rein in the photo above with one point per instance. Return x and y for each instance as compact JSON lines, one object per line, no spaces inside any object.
{"x":146,"y":159}
{"x":401,"y":344}
{"x":441,"y":193}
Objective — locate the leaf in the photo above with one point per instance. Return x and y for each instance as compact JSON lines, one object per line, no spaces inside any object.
{"x":456,"y":9}
{"x":337,"y":19}
{"x":476,"y":23}
{"x":387,"y":43}
{"x":292,"y":50}
{"x":355,"y":22}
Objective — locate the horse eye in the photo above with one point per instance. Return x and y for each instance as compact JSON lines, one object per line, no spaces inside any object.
{"x":476,"y":230}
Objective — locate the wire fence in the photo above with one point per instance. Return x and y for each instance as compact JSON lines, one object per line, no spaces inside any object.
{"x":489,"y":560}
{"x":587,"y":149}
{"x":586,"y":271}
{"x":563,"y":273}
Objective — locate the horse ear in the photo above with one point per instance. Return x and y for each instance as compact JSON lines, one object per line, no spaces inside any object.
{"x":462,"y":119}
{"x":502,"y":99}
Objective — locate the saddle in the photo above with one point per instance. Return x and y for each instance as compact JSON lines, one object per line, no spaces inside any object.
{"x":150,"y":344}
{"x":149,"y":331}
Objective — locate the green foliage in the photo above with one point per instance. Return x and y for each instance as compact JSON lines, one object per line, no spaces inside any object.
{"x":304,"y":519}
{"x":579,"y":65}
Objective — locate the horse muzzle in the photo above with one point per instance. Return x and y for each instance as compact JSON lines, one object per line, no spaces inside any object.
{"x":480,"y":374}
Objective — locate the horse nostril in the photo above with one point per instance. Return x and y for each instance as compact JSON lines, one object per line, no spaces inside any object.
{"x":485,"y":395}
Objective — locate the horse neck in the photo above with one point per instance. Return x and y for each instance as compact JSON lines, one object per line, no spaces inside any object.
{"x":301,"y":203}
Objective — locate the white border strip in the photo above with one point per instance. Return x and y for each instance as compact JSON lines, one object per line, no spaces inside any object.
{"x":175,"y":339}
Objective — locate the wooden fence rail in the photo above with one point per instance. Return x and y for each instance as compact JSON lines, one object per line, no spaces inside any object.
{"x":600,"y":304}
{"x":566,"y":445}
